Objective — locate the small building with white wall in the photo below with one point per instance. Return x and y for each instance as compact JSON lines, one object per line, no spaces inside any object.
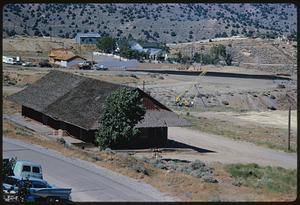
{"x":64,"y":58}
{"x":87,"y":38}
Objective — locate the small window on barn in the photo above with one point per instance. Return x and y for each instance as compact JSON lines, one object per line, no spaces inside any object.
{"x":26,"y":169}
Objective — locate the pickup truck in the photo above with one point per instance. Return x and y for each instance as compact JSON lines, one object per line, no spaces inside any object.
{"x":27,"y":169}
{"x":39,"y":190}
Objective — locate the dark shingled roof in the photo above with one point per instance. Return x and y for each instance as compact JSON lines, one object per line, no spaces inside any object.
{"x":78,"y":100}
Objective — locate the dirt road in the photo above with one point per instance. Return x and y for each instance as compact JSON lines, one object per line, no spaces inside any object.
{"x":228,"y":151}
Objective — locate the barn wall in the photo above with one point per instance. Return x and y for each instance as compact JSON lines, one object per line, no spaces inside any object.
{"x":148,"y":138}
{"x":77,"y":132}
{"x":28,"y":112}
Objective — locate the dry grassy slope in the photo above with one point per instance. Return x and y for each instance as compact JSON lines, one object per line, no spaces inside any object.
{"x":251,"y":53}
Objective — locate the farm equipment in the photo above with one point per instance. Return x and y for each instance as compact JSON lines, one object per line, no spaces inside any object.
{"x":181,"y":100}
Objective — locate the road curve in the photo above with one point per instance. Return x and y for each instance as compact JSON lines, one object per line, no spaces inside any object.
{"x":227,"y":150}
{"x":88,"y":181}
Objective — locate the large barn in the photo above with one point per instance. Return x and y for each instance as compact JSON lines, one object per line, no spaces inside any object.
{"x":73,"y":103}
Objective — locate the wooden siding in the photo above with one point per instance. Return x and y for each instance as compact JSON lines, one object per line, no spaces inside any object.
{"x":149,"y":104}
{"x":148,"y":138}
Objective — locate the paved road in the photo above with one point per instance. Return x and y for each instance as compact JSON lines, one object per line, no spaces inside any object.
{"x":230,"y":151}
{"x":88,"y":181}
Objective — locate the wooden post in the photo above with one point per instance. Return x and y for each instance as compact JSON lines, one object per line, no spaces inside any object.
{"x":289,"y":129}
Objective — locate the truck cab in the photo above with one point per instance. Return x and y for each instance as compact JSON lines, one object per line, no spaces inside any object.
{"x":28,"y":169}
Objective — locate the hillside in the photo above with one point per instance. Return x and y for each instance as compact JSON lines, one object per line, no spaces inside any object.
{"x":266,"y":55}
{"x":167,"y":23}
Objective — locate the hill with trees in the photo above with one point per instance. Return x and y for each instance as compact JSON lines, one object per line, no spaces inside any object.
{"x":167,"y":23}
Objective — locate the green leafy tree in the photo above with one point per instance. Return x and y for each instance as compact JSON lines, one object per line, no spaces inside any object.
{"x":215,"y":54}
{"x":122,"y":110}
{"x":106,"y":44}
{"x":132,"y":54}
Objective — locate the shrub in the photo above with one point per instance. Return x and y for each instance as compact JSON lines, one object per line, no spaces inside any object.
{"x":96,"y":158}
{"x":61,"y":140}
{"x":197,"y":164}
{"x":224,"y":102}
{"x":134,"y":76}
{"x":153,"y":75}
{"x":140,"y":168}
{"x":210,"y":179}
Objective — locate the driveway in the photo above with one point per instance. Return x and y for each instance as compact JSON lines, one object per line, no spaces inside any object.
{"x":220,"y":149}
{"x":88,"y":181}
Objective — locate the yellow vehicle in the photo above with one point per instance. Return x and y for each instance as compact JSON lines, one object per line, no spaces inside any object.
{"x":180,"y":100}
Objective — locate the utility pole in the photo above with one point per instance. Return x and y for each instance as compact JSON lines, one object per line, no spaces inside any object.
{"x":289,"y":122}
{"x":289,"y":129}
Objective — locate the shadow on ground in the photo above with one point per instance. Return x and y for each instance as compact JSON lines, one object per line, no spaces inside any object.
{"x":175,"y":144}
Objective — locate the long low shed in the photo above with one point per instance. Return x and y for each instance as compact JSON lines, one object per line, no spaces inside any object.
{"x":73,"y":103}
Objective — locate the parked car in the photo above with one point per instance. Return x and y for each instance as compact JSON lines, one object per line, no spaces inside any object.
{"x":27,"y":64}
{"x":45,"y":63}
{"x":38,"y":189}
{"x":100,"y":67}
{"x":27,"y":169}
{"x":86,"y":65}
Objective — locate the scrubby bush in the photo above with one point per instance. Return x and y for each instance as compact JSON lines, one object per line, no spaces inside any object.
{"x":275,"y":179}
{"x":140,"y":168}
{"x":197,"y":164}
{"x":134,"y":76}
{"x":61,"y":140}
